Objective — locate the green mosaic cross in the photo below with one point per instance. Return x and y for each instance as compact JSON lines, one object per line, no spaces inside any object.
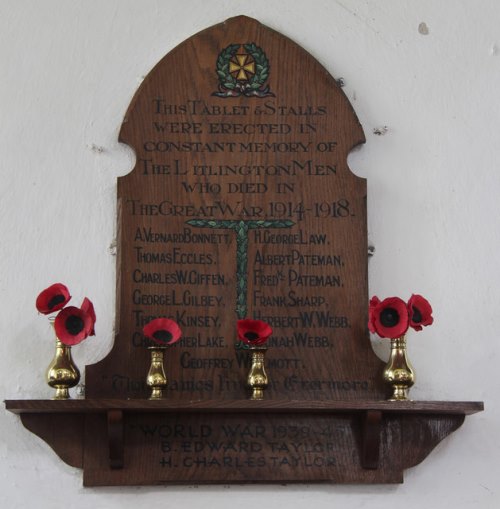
{"x":241,"y":228}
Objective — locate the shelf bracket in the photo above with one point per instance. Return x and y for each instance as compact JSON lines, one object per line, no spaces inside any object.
{"x":370,"y":449}
{"x":115,"y":438}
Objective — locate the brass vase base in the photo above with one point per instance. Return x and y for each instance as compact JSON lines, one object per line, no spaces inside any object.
{"x":257,"y":393}
{"x":156,"y":379}
{"x":400,"y":393}
{"x":257,"y":379}
{"x":156,"y":393}
{"x":61,"y":393}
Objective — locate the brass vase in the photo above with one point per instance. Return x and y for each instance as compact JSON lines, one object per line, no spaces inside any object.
{"x":156,"y":379}
{"x":398,"y":372}
{"x":62,"y":373}
{"x":257,"y":378}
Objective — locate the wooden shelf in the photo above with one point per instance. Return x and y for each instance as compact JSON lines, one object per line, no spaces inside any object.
{"x":242,"y":406}
{"x":377,"y":439}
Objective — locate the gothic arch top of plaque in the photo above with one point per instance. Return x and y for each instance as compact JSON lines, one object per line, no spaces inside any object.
{"x":241,"y":204}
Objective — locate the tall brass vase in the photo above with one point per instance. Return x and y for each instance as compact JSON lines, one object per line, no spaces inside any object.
{"x":398,"y":372}
{"x":62,"y":373}
{"x":156,"y":379}
{"x":257,"y":377}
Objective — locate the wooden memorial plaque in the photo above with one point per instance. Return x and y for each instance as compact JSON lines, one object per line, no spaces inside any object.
{"x":241,"y":204}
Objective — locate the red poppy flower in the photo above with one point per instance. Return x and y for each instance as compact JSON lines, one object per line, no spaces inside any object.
{"x":163,"y":331}
{"x":253,"y":332}
{"x":388,"y":318}
{"x":88,"y":307}
{"x":374,"y":302}
{"x":420,"y":312}
{"x":72,"y":325}
{"x":53,"y":298}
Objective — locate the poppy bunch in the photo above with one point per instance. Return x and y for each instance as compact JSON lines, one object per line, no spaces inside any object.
{"x":392,"y":317}
{"x":253,"y":332}
{"x":165,"y":332}
{"x":72,"y":324}
{"x":162,"y":331}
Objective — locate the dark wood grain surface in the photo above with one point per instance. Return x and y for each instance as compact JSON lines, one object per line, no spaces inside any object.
{"x":220,"y":406}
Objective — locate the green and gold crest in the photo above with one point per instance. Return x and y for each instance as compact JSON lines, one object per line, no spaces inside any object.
{"x":243,"y":69}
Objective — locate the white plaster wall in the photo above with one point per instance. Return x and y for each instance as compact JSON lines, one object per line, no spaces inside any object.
{"x":68,"y":71}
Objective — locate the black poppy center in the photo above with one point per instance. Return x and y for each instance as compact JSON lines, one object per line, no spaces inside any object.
{"x":251,"y":336}
{"x":417,"y":315}
{"x":57,"y":299}
{"x":163,"y":335}
{"x":389,"y":317}
{"x":74,"y":325}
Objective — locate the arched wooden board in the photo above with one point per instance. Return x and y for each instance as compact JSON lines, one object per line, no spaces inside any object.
{"x":241,"y":204}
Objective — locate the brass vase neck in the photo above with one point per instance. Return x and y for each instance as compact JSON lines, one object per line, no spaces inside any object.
{"x":398,"y":343}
